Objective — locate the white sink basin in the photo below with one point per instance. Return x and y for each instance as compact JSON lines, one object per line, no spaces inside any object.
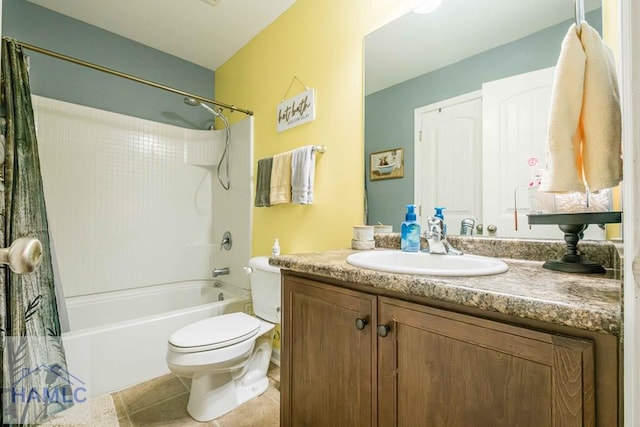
{"x":396,"y":261}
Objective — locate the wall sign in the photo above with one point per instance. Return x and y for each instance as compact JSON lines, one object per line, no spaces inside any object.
{"x":295,"y":111}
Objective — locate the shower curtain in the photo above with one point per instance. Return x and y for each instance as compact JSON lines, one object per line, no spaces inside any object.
{"x":35,"y":380}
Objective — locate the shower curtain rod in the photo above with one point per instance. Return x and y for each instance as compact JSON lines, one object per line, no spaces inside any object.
{"x":125,"y":75}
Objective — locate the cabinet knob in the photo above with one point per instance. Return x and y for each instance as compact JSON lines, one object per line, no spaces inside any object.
{"x":383,"y":330}
{"x":361,"y":322}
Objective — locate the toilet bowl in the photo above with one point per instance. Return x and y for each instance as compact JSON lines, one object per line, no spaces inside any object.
{"x":227,"y":356}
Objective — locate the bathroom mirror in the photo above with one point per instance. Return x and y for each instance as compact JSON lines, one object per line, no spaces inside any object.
{"x":420,"y":60}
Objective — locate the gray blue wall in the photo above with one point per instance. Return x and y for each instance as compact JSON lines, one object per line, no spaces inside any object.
{"x":54,"y":78}
{"x":389,"y":113}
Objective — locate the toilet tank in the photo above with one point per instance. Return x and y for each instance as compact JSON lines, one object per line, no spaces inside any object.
{"x":265,"y":289}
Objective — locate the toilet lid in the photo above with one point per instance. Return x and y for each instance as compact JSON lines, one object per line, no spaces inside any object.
{"x":215,"y":332}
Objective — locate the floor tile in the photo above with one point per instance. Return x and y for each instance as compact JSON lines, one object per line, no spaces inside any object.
{"x":172,"y":413}
{"x":98,"y":412}
{"x":121,"y":411}
{"x":187,"y":382}
{"x":274,"y":372}
{"x":274,"y":394}
{"x":262,"y":411}
{"x":144,"y":395}
{"x":124,"y":422}
{"x":163,"y":402}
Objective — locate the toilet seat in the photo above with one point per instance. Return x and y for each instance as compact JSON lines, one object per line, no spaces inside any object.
{"x":214,"y":333}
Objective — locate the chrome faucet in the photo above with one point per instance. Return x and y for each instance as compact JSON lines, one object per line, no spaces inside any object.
{"x":466,"y":226}
{"x":220,"y":271}
{"x":436,"y":237}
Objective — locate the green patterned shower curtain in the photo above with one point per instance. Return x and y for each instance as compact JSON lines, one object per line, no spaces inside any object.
{"x":35,"y":380}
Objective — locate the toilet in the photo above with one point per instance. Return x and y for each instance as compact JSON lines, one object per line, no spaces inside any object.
{"x":227,"y":356}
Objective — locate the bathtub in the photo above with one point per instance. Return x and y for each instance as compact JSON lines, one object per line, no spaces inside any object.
{"x":118,"y":339}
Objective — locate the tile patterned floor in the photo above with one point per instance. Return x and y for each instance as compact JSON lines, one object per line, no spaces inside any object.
{"x":96,"y":412}
{"x":163,"y":402}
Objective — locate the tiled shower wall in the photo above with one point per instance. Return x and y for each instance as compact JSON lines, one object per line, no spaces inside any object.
{"x":134,"y":203}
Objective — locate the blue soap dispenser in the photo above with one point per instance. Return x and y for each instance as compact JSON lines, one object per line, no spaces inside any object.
{"x":440,"y":215}
{"x":410,"y":233}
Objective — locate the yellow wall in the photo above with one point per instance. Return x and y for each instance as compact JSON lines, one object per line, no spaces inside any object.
{"x":611,"y":35}
{"x":320,"y":42}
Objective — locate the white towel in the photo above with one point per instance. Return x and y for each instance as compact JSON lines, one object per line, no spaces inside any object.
{"x":601,"y":122}
{"x":303,"y":166}
{"x":281,"y":179}
{"x":584,"y":134}
{"x":564,"y":163}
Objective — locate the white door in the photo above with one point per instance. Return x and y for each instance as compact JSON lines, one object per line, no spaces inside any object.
{"x":629,"y":16}
{"x":515,"y":112}
{"x":448,"y":155}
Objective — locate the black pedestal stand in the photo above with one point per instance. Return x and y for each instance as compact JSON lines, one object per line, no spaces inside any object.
{"x":573,"y":224}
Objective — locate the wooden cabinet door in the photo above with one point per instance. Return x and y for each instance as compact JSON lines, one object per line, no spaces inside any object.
{"x":328,"y":364}
{"x":437,"y":368}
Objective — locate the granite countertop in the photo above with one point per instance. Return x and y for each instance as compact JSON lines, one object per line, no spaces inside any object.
{"x":584,"y":301}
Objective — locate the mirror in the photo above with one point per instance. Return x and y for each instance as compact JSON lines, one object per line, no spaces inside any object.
{"x":418,"y":60}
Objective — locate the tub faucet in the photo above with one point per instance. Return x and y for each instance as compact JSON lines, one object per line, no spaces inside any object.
{"x":220,"y":271}
{"x":436,"y":237}
{"x":226,"y":241}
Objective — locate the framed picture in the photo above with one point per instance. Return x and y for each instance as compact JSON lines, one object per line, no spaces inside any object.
{"x":387,"y":164}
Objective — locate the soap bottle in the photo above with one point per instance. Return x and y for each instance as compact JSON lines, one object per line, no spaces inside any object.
{"x":410,"y":232}
{"x":440,"y":215}
{"x":275,"y":250}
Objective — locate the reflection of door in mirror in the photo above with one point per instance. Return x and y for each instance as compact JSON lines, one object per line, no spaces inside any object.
{"x":515,"y":114}
{"x":511,"y":116}
{"x":516,"y":110}
{"x":448,"y":159}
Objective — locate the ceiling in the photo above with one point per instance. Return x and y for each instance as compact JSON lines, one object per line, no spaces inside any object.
{"x":416,"y":44}
{"x":205,"y":32}
{"x":209,"y":32}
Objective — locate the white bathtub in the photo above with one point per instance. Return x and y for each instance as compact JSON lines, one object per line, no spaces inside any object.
{"x":118,"y":339}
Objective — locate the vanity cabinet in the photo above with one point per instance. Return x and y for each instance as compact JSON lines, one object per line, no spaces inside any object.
{"x":328,"y":360}
{"x":352,"y":358}
{"x":437,"y":368}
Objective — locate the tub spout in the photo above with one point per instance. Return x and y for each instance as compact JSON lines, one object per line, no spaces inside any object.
{"x":220,"y":271}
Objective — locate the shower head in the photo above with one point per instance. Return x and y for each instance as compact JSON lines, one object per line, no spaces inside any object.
{"x":194,"y":102}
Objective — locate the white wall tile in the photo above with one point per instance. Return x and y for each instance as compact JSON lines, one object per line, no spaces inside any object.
{"x":228,"y":218}
{"x":133,"y":202}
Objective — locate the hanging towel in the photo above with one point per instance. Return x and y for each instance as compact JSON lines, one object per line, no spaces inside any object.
{"x":586,"y":74}
{"x":601,"y":117}
{"x":303,"y":166}
{"x":281,"y":178}
{"x":263,"y":182}
{"x":564,"y":163}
